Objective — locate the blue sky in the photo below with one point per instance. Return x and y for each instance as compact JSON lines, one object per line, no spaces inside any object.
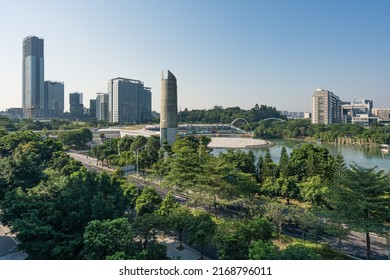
{"x":223,"y":52}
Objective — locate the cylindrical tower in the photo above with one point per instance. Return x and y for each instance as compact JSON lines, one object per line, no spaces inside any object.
{"x":168,"y":115}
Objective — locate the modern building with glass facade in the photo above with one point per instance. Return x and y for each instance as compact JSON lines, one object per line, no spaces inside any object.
{"x":356,"y":107}
{"x":33,"y":78}
{"x":326,"y":107}
{"x":14,"y":113}
{"x":145,"y":104}
{"x":129,"y":101}
{"x":54,"y":99}
{"x":92,"y":108}
{"x":102,"y":106}
{"x":76,"y":106}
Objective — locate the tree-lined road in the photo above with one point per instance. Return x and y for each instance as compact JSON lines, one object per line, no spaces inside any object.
{"x":354,"y":245}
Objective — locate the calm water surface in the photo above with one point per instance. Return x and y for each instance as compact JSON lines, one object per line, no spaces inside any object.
{"x":363,"y":156}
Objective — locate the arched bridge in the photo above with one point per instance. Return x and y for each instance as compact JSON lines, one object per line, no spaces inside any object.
{"x":238,"y":119}
{"x":272,"y":119}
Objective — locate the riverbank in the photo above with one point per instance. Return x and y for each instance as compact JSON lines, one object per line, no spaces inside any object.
{"x":238,"y":143}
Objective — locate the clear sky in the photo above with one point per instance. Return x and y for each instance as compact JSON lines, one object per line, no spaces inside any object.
{"x":223,"y":52}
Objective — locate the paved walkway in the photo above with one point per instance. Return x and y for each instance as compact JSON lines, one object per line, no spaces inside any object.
{"x":237,"y":143}
{"x":8,"y":249}
{"x":186,"y":254}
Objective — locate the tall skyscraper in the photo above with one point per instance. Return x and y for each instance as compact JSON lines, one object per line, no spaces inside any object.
{"x":54,"y":99}
{"x":125,"y":99}
{"x":92,"y":108}
{"x":326,"y":107}
{"x":33,"y":78}
{"x":168,"y":117}
{"x":76,"y":106}
{"x":102,"y":106}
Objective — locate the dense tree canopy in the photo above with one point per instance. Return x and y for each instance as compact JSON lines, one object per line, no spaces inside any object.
{"x":59,"y":210}
{"x":110,"y":239}
{"x":218,"y":114}
{"x":340,"y":133}
{"x":76,"y":138}
{"x":55,"y":212}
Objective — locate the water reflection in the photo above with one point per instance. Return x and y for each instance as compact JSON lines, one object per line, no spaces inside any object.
{"x":365,"y":156}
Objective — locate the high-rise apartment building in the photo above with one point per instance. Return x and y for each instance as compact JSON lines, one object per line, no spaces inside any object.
{"x":102,"y":106}
{"x":326,"y":107}
{"x":382,"y":113}
{"x":129,"y":101}
{"x":14,"y":113}
{"x":53,"y":99}
{"x":145,"y":105}
{"x":76,"y":106}
{"x":168,"y":116}
{"x":92,"y":108}
{"x":33,"y":78}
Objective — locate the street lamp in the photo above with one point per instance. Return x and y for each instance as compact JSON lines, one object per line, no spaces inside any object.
{"x":136,"y":152}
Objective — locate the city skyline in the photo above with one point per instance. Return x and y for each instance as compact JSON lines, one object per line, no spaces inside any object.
{"x":226,"y":53}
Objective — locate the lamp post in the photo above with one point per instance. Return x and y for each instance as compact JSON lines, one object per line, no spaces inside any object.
{"x":136,"y":153}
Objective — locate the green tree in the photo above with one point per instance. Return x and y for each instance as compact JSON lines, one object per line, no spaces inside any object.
{"x":314,"y":190}
{"x":264,"y":250}
{"x":184,"y":170}
{"x":268,"y":167}
{"x":154,"y":251}
{"x":76,"y":138}
{"x":234,"y":237}
{"x":146,"y":226}
{"x":105,"y":239}
{"x":279,"y":214}
{"x":152,"y":149}
{"x":244,"y":162}
{"x":340,"y":166}
{"x":64,"y":164}
{"x":124,"y":144}
{"x":131,"y":193}
{"x":259,"y":169}
{"x":168,"y":205}
{"x":283,"y":164}
{"x":362,"y":200}
{"x":201,"y":231}
{"x":148,"y":201}
{"x":25,"y":167}
{"x":181,"y":218}
{"x":299,"y":252}
{"x":309,"y":160}
{"x":49,"y":219}
{"x":10,"y":141}
{"x":222,"y":183}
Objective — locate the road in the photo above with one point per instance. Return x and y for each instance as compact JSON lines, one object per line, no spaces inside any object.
{"x":354,"y":245}
{"x":8,"y":250}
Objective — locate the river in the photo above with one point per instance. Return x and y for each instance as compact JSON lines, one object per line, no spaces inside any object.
{"x":363,"y":156}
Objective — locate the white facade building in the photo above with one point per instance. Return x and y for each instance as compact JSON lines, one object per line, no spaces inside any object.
{"x":102,"y":106}
{"x":125,"y":99}
{"x":326,"y":107}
